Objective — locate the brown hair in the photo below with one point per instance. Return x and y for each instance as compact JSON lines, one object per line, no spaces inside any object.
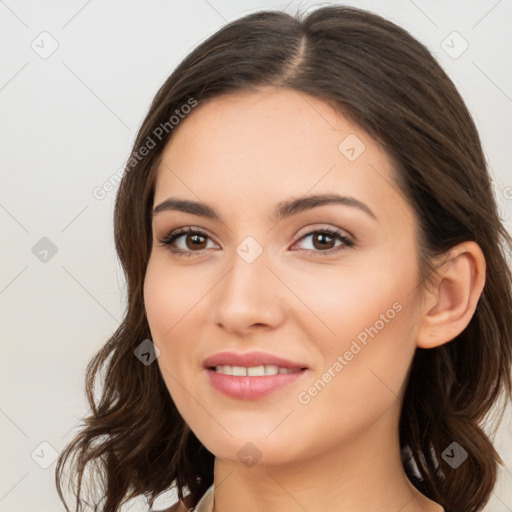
{"x":385,"y":81}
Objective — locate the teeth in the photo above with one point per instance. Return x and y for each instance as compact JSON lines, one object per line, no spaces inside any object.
{"x":252,"y":371}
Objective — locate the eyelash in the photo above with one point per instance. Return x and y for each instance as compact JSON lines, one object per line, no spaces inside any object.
{"x":171,"y":237}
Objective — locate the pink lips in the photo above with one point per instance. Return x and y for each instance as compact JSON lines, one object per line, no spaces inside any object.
{"x":250,"y":388}
{"x":247,"y":359}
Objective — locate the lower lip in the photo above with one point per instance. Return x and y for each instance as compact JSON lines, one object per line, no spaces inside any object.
{"x":250,"y":388}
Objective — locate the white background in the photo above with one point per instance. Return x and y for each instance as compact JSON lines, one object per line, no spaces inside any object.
{"x":68,"y":123}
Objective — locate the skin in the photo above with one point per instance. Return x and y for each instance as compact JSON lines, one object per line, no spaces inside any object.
{"x":242,"y":154}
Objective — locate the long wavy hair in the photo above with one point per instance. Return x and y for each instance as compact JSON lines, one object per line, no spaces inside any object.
{"x":134,"y":441}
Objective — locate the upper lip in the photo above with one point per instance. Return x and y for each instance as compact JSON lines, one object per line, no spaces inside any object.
{"x":249,"y":359}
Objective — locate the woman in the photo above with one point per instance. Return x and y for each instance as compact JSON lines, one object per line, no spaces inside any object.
{"x":319,"y":304}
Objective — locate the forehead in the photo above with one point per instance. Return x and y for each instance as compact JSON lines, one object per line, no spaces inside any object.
{"x":271,"y":144}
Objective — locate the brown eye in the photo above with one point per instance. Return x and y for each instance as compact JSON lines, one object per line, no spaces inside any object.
{"x":323,"y":241}
{"x":195,"y":241}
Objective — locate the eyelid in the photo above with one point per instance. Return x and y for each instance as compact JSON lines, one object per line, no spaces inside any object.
{"x":323,"y":227}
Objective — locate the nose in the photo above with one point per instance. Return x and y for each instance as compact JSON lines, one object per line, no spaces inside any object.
{"x":250,"y":297}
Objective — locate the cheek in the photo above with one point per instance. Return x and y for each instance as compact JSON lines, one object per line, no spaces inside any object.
{"x":363,"y":329}
{"x":170,"y":295}
{"x":175,"y":304}
{"x":166,"y":303}
{"x":362,"y":371}
{"x":341,"y":303}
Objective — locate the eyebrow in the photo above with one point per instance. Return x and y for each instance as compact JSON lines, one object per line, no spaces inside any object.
{"x":283,"y":209}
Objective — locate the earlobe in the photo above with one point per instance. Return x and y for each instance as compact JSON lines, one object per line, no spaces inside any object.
{"x":453,"y":297}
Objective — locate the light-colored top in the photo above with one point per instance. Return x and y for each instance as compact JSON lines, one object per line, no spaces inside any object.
{"x":205,"y":504}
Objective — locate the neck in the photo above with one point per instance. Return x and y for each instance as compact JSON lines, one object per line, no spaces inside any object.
{"x":363,"y":474}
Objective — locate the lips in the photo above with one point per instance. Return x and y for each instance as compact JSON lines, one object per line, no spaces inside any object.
{"x":250,"y":359}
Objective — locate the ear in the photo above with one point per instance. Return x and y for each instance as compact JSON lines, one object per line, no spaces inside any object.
{"x":449,"y":304}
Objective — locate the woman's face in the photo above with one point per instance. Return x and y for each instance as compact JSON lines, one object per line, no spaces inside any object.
{"x":307,"y":252}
